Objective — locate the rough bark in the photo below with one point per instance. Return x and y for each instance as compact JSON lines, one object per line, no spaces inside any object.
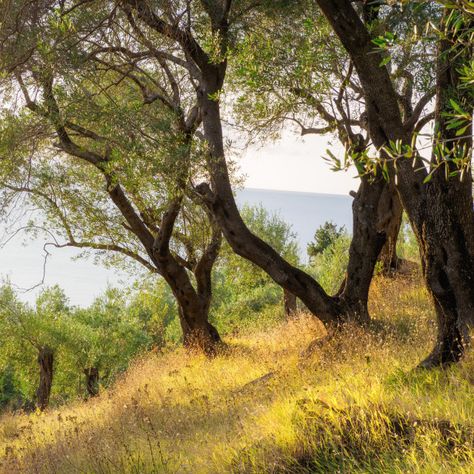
{"x":390,"y":213}
{"x":448,"y":251}
{"x":46,"y":363}
{"x":193,"y":303}
{"x":445,"y":231}
{"x":368,"y":240}
{"x":223,"y":206}
{"x":92,"y":381}
{"x":289,"y":303}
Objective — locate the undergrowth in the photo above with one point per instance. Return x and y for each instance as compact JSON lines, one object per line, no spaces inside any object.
{"x":351,"y":403}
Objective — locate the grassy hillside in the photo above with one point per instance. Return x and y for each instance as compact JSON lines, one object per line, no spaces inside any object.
{"x":273,"y":401}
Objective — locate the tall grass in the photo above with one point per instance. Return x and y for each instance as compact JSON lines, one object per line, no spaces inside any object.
{"x":352,"y":402}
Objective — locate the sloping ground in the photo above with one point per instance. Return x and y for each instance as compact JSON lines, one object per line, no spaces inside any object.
{"x":351,"y":403}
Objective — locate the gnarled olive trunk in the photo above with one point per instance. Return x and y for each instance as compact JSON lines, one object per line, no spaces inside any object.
{"x":46,"y":365}
{"x":193,"y":303}
{"x":447,"y":254}
{"x":390,"y":215}
{"x":447,"y":243}
{"x":440,"y":211}
{"x":92,"y":381}
{"x":367,"y":242}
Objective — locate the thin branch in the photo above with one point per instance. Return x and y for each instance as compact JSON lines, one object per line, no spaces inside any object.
{"x":418,"y":110}
{"x":161,"y":243}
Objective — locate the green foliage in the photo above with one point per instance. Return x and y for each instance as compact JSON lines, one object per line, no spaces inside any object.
{"x":105,"y":336}
{"x":324,"y":236}
{"x":10,"y":392}
{"x":329,"y":266}
{"x":284,"y":69}
{"x":153,"y":304}
{"x":407,"y":245}
{"x":241,"y":289}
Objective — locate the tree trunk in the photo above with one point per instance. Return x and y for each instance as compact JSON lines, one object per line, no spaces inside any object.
{"x":193,"y":304}
{"x":289,"y":303}
{"x":391,"y":213}
{"x":198,"y":333}
{"x":221,"y":202}
{"x":368,"y":240}
{"x":193,"y":310}
{"x":447,"y":253}
{"x":440,"y":211}
{"x":45,"y":362}
{"x":448,"y":248}
{"x":92,"y":381}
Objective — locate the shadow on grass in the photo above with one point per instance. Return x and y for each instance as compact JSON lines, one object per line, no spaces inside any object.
{"x":359,"y":439}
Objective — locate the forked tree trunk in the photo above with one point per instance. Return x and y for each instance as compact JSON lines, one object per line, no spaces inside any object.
{"x":46,"y":363}
{"x":289,"y":303}
{"x":92,"y":381}
{"x":193,"y":303}
{"x":368,"y":239}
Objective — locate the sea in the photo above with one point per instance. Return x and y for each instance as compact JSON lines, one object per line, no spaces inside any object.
{"x":22,"y":261}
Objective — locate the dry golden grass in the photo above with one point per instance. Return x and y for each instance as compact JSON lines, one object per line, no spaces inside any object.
{"x":354,"y":404}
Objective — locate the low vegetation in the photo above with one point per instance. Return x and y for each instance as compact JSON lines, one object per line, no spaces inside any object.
{"x":288,"y":399}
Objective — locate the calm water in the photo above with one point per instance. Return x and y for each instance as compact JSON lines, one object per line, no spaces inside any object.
{"x":82,"y":280}
{"x":305,"y":212}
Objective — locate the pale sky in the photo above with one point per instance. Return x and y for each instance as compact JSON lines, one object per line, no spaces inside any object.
{"x":296,"y":164}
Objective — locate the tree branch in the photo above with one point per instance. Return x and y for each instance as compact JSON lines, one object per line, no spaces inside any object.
{"x":418,"y":110}
{"x":162,"y":240}
{"x":183,"y":37}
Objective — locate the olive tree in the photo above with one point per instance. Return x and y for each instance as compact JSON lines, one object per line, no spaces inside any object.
{"x":33,"y":333}
{"x":444,"y":230}
{"x":107,"y":155}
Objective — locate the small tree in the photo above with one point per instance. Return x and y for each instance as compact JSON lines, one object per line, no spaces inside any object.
{"x":101,"y":340}
{"x":33,"y":333}
{"x":324,"y":236}
{"x":108,"y":155}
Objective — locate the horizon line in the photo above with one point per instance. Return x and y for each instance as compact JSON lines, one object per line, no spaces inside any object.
{"x":291,"y":191}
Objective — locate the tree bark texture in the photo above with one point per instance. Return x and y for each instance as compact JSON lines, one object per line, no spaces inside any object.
{"x":46,"y":363}
{"x":368,"y":239}
{"x":390,"y":212}
{"x":92,"y":381}
{"x":440,"y":211}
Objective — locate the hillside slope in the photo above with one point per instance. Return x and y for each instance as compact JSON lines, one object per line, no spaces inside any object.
{"x":273,"y":402}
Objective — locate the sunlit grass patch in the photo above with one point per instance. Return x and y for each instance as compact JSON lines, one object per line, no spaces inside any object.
{"x":353,"y":403}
